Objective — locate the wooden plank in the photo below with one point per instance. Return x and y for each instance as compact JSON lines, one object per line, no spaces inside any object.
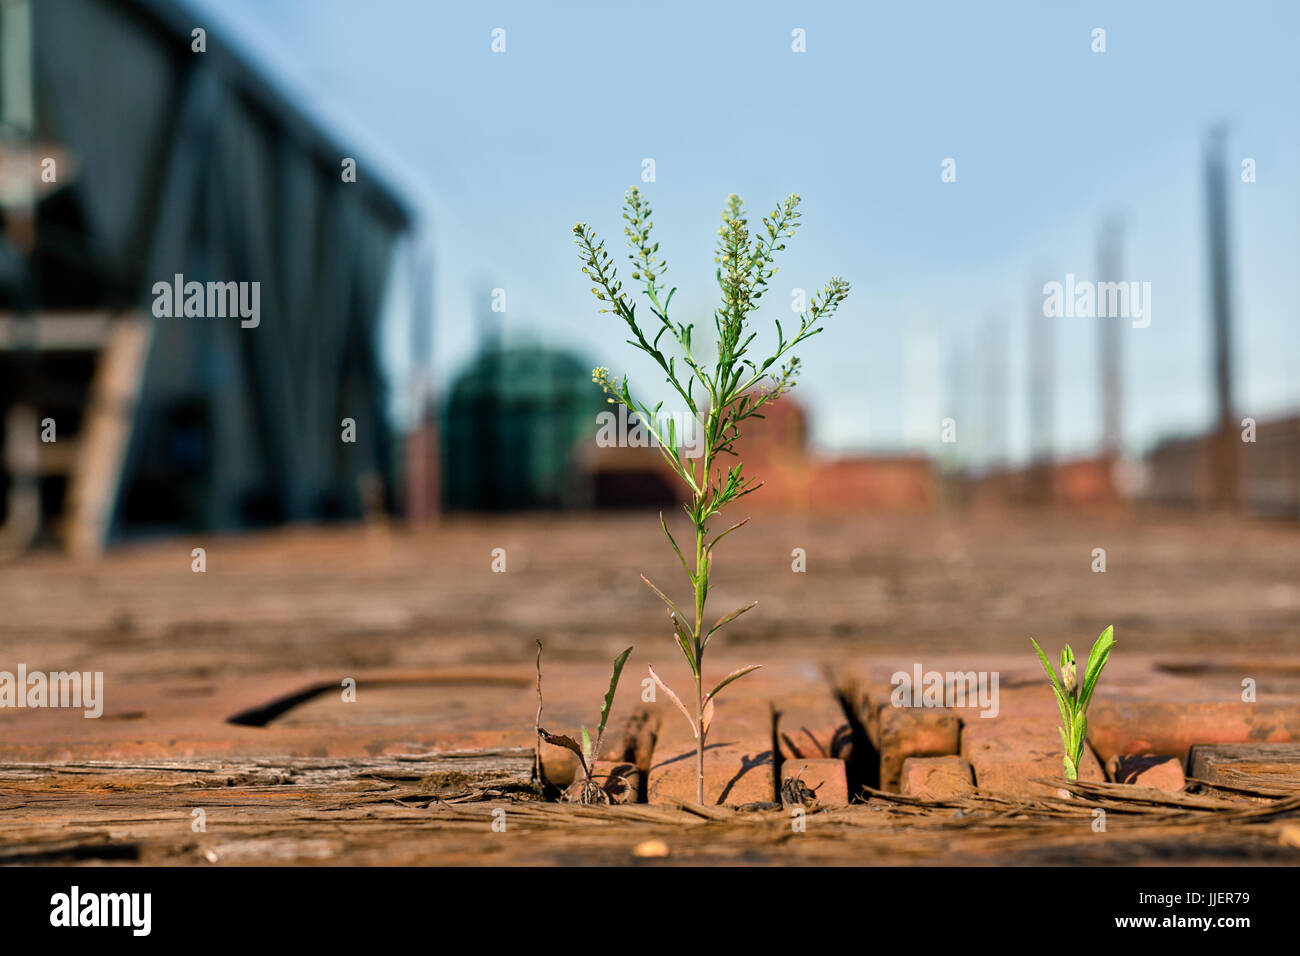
{"x":458,"y":770}
{"x":102,"y":448}
{"x":393,"y":824}
{"x":1275,"y":766}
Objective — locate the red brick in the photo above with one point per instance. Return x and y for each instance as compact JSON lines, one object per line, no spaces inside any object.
{"x":1147,"y":770}
{"x":805,"y":740}
{"x":738,"y":765}
{"x":1173,"y":727}
{"x":1007,"y":753}
{"x":913,"y":732}
{"x":936,"y":778}
{"x":825,"y":777}
{"x":560,"y":765}
{"x":734,"y":774}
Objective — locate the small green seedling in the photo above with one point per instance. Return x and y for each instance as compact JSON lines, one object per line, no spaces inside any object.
{"x":1073,"y":698}
{"x":588,"y":750}
{"x":733,"y":389}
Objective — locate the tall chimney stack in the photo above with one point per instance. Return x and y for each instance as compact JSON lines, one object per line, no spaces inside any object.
{"x":1224,"y":444}
{"x":1110,"y":269}
{"x":1042,"y":388}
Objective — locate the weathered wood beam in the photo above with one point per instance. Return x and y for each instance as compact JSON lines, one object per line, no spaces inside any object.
{"x":1275,"y":766}
{"x":507,"y":768}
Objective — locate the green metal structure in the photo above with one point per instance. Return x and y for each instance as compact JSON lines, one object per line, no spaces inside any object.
{"x":513,"y":424}
{"x":180,"y":161}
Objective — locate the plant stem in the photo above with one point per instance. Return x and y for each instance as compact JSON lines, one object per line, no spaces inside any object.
{"x":701,"y":595}
{"x":701,"y":590}
{"x":699,"y":754}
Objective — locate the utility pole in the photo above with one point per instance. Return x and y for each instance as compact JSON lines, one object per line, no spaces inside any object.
{"x":1223,"y":444}
{"x":954,"y":403}
{"x":423,"y":458}
{"x":1042,"y":374}
{"x":1110,"y":269}
{"x":995,"y":392}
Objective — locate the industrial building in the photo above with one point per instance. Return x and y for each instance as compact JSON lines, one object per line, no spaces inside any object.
{"x":140,"y":154}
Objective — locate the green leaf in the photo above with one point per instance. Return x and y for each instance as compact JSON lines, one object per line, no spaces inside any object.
{"x":728,"y":618}
{"x":685,"y":640}
{"x":680,"y":557}
{"x":1080,"y":736}
{"x":613,"y":686}
{"x":1071,"y":772}
{"x":1056,"y":687}
{"x":738,"y":524}
{"x":586,"y":744}
{"x":733,"y":676}
{"x":1097,"y":658}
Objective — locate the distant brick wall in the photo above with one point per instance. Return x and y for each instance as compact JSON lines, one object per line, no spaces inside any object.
{"x":774,"y":449}
{"x":1080,"y":483}
{"x":1179,"y":471}
{"x":896,"y":484}
{"x":1270,"y":468}
{"x":1084,"y":482}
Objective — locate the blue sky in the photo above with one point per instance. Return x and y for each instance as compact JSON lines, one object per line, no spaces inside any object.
{"x":504,"y":152}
